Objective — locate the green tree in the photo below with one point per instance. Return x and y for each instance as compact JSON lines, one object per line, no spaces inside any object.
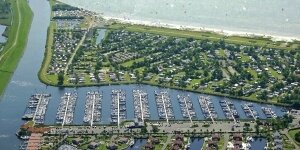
{"x":297,"y":136}
{"x":60,"y":79}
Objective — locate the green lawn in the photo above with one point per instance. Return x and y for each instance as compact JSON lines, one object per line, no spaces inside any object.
{"x":292,"y":134}
{"x":50,"y":79}
{"x":287,"y":145}
{"x":129,"y":63}
{"x":17,"y":40}
{"x":221,"y":143}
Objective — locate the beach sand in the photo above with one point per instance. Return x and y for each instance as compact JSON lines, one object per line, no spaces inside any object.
{"x":203,"y":29}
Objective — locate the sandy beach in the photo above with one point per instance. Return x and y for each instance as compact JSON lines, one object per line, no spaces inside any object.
{"x":203,"y":29}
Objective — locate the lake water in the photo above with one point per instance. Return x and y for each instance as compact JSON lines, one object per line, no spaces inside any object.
{"x":25,"y":82}
{"x":271,"y":17}
{"x":258,"y":144}
{"x":196,"y":143}
{"x":101,"y":34}
{"x":138,"y":144}
{"x":2,"y":38}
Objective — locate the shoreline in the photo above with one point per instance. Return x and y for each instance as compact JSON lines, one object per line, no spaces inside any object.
{"x":162,"y":86}
{"x":201,"y":29}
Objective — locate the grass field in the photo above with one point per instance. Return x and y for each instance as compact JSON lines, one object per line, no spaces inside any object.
{"x":292,"y":134}
{"x":17,"y":40}
{"x":255,"y":41}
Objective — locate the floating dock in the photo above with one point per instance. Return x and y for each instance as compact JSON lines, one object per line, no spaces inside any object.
{"x":36,"y":108}
{"x":249,"y":111}
{"x":269,"y":112}
{"x":186,"y":107}
{"x":229,"y":110}
{"x":164,"y":106}
{"x":141,"y":105}
{"x":207,"y":108}
{"x":65,"y":111}
{"x":118,"y":106}
{"x":92,"y":112}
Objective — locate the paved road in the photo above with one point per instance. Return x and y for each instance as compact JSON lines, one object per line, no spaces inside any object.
{"x":218,"y":126}
{"x":78,"y":46}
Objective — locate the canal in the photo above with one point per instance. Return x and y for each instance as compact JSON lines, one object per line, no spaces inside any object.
{"x":25,"y":82}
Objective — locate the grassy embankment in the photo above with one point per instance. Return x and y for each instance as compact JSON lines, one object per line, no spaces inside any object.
{"x":257,"y":41}
{"x":251,"y":41}
{"x":17,"y":40}
{"x":48,"y":79}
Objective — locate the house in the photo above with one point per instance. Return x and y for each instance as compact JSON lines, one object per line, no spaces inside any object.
{"x":77,"y":141}
{"x":215,"y":137}
{"x":149,"y":146}
{"x":112,"y":146}
{"x":123,"y":140}
{"x":212,"y":144}
{"x":277,"y":140}
{"x":237,"y":137}
{"x":276,"y":135}
{"x":179,"y":137}
{"x":93,"y":145}
{"x":178,"y":143}
{"x":238,"y":144}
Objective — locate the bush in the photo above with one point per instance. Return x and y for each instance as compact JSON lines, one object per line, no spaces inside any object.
{"x":297,"y":136}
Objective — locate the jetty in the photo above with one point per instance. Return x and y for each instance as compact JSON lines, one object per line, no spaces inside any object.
{"x":66,"y":108}
{"x":269,"y":112}
{"x":207,"y":108}
{"x":36,"y":108}
{"x":229,"y":110}
{"x":186,"y":107}
{"x":164,"y":106}
{"x":249,"y":111}
{"x":92,"y":112}
{"x":141,"y":105}
{"x":118,"y":106}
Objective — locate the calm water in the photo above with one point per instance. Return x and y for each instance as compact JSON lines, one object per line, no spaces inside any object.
{"x":2,"y":38}
{"x":271,"y":17}
{"x":258,"y":144}
{"x":138,"y":144}
{"x":101,"y":34}
{"x":196,"y":143}
{"x":25,"y":82}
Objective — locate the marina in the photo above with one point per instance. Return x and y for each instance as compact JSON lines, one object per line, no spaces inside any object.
{"x":112,"y":106}
{"x":36,"y":108}
{"x":66,"y":108}
{"x":164,"y":106}
{"x":141,"y":105}
{"x":92,"y":111}
{"x":229,"y":110}
{"x":118,"y":106}
{"x":186,"y":107}
{"x":269,"y":112}
{"x":25,"y":81}
{"x":207,"y":108}
{"x":249,"y":111}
